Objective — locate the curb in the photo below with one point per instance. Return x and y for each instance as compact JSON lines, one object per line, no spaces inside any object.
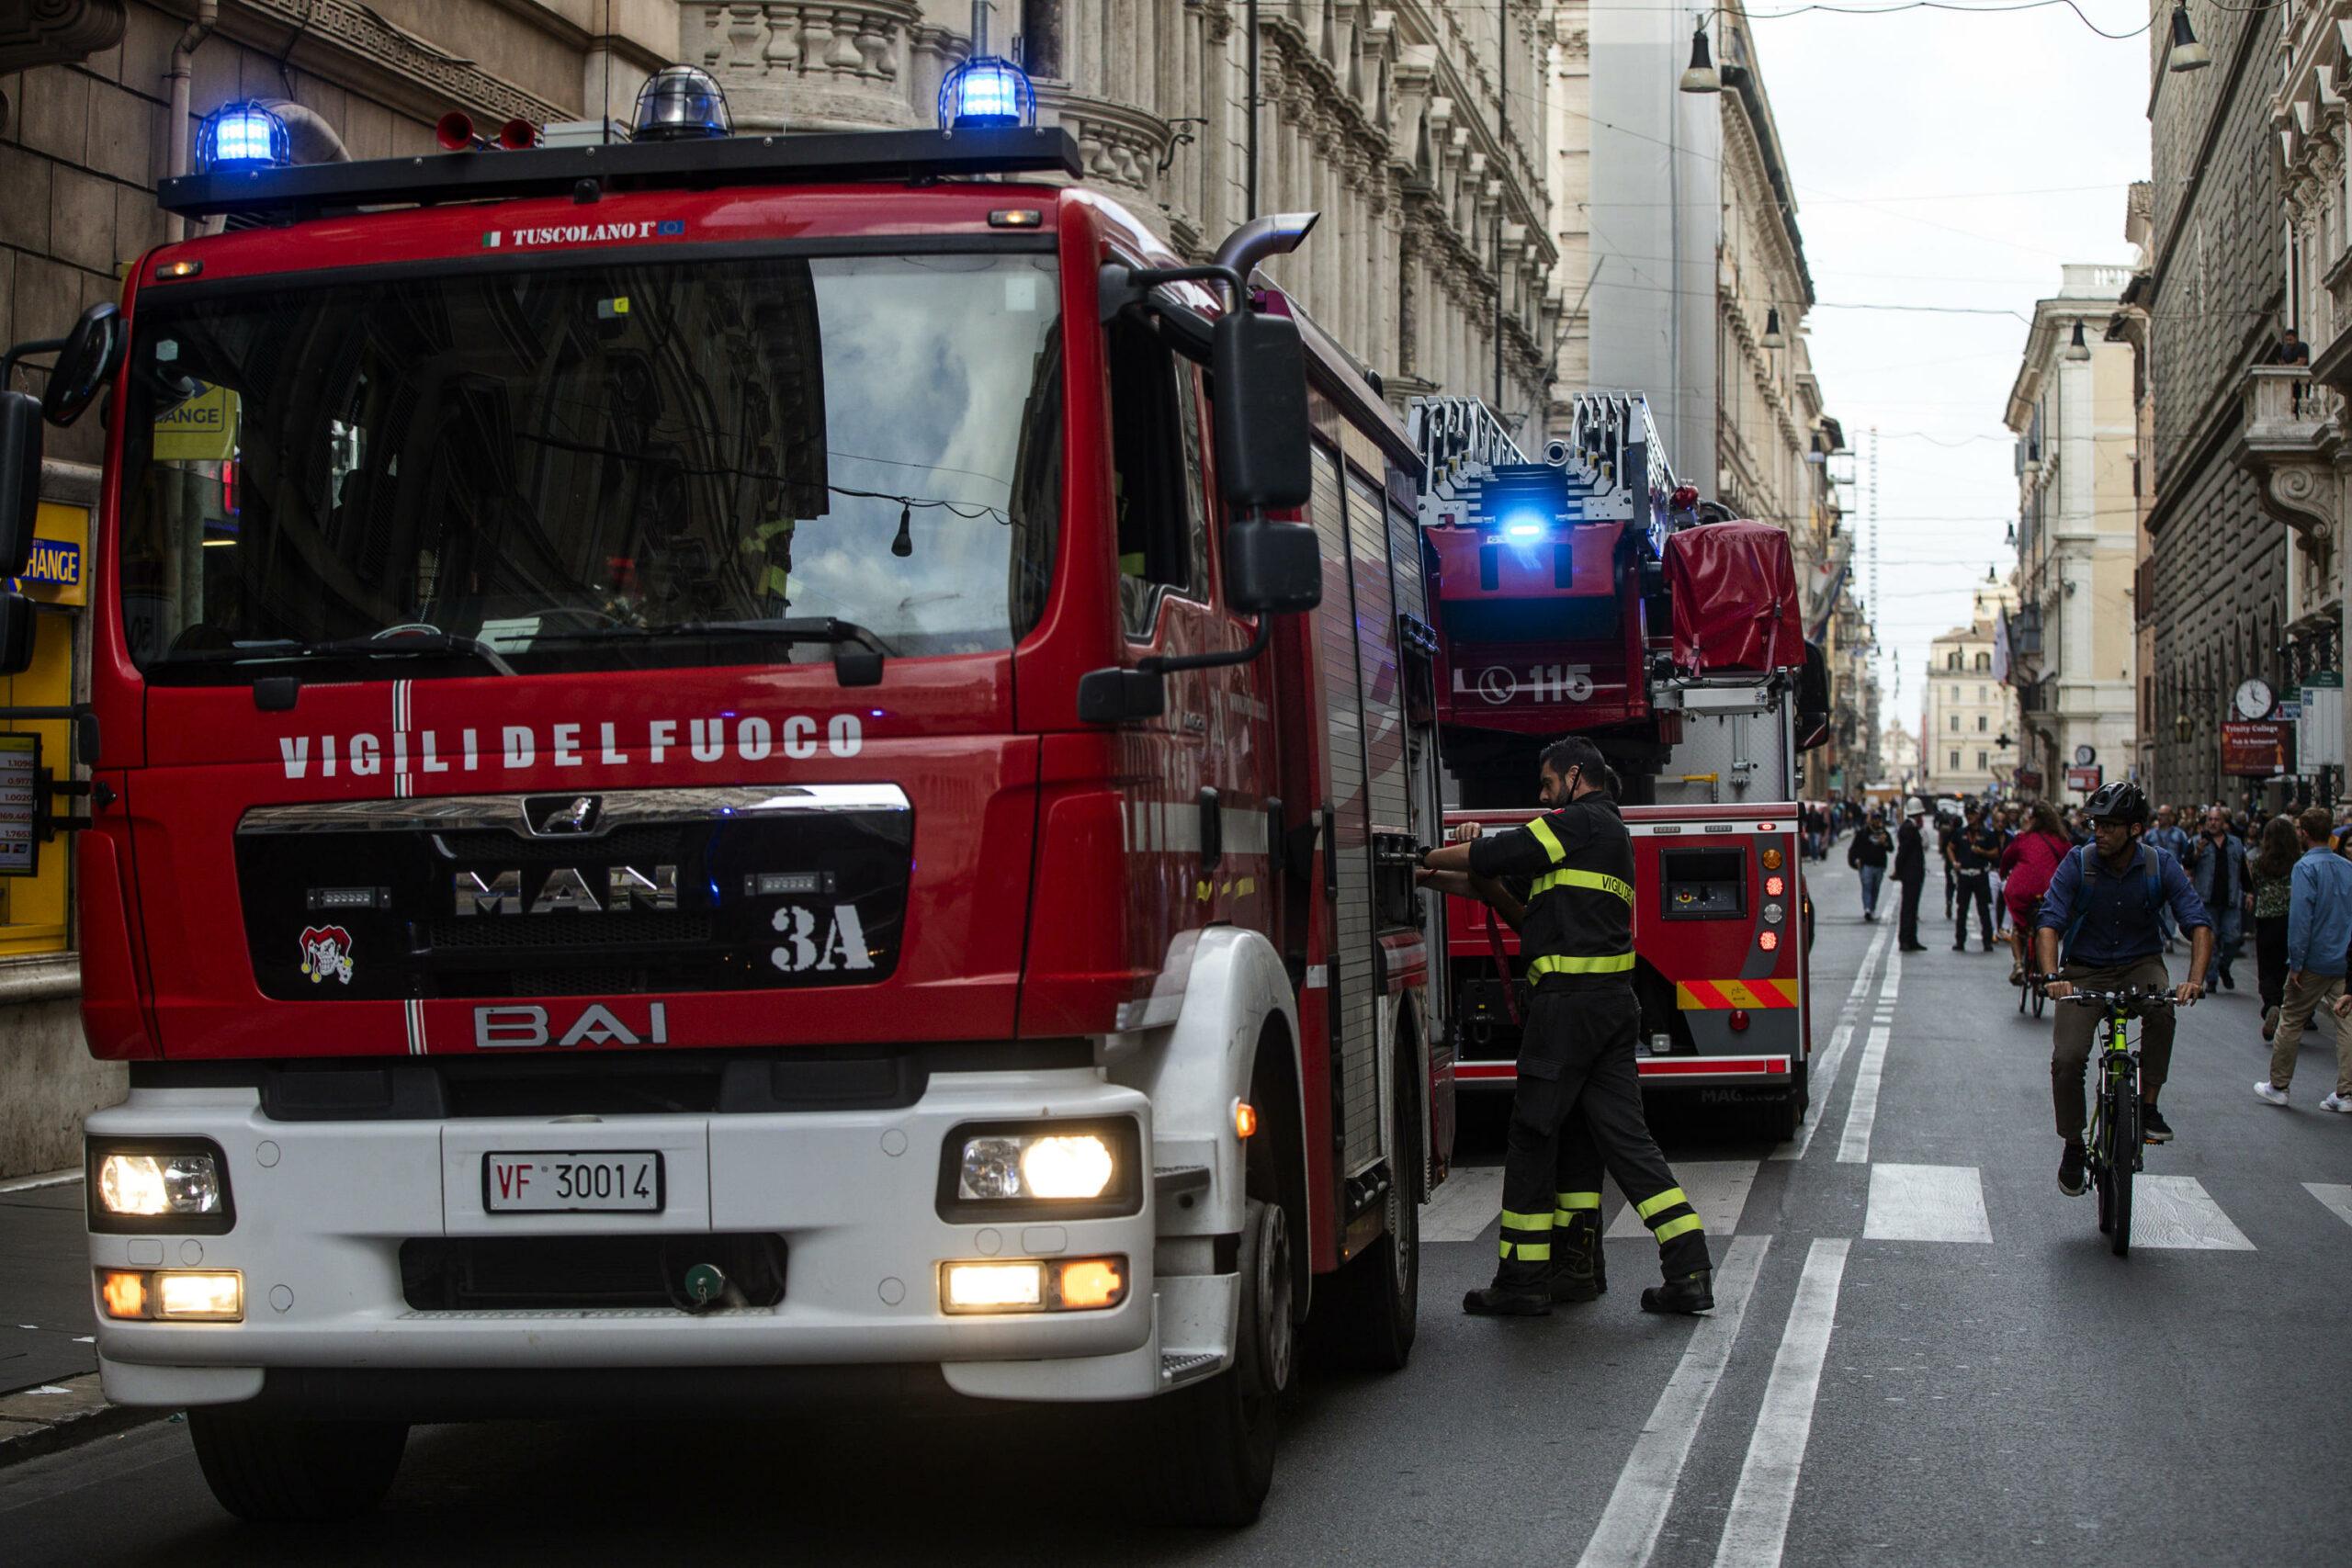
{"x":75,"y":1411}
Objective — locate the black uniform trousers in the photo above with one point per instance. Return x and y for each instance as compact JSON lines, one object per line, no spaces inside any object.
{"x":1908,"y":932}
{"x":1976,"y":888}
{"x":1577,"y":1056}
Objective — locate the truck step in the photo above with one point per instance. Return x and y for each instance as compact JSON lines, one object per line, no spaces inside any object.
{"x":1178,"y":1367}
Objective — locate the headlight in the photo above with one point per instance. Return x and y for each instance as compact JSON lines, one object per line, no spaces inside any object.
{"x":159,"y":1187}
{"x":1046,"y":1166}
{"x":1074,"y":1169}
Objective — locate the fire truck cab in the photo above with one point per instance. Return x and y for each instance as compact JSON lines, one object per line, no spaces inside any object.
{"x":731,"y":768}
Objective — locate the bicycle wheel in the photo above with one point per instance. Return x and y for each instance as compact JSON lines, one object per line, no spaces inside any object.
{"x":2122,"y":1158}
{"x":2041,"y":998}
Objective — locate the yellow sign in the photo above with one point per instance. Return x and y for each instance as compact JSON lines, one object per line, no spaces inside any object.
{"x":201,"y":429}
{"x":57,"y":572}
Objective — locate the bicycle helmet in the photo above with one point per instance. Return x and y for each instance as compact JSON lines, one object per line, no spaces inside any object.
{"x":2122,"y":801}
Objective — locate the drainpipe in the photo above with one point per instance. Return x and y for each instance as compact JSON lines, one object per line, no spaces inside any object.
{"x":208,"y":16}
{"x":310,"y":137}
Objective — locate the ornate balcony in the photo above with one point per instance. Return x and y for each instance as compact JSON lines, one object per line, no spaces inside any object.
{"x":2293,"y":443}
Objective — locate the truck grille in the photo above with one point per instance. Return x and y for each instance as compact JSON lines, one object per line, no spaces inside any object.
{"x":479,"y":933}
{"x":581,"y":1272}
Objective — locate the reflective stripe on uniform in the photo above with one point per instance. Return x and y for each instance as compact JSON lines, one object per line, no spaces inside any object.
{"x":1673,"y":1228}
{"x":1512,"y":1221}
{"x":1572,"y":1204}
{"x":1579,"y":1200}
{"x":1526,"y":1251}
{"x":1666,"y":1200}
{"x":1613,"y":964}
{"x":1542,"y":833}
{"x":1597,"y":881}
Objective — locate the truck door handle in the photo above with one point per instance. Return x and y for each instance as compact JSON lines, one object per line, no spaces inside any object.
{"x":1212,"y":829}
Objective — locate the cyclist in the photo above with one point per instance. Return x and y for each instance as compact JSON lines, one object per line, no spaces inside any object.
{"x":2103,"y":909}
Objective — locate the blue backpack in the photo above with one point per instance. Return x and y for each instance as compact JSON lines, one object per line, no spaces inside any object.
{"x":2085,"y":864}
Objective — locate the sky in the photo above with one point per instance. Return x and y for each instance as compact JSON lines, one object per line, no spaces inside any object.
{"x":1947,"y":159}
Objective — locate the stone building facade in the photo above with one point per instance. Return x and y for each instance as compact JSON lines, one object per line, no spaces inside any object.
{"x":1966,"y":708}
{"x":1414,"y":127}
{"x":2297,"y":440}
{"x":2071,"y":644}
{"x":2221,"y":559}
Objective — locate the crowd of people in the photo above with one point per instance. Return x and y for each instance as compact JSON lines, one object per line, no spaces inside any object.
{"x":2285,"y":881}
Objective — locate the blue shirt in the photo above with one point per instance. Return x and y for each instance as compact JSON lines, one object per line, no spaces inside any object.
{"x":2173,"y":841}
{"x":2319,"y":913}
{"x":2120,"y":925}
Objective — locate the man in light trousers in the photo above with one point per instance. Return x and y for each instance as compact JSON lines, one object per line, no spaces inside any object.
{"x":2319,"y":928}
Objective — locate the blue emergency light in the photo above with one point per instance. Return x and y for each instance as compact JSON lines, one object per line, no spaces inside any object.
{"x":242,"y":135}
{"x":987,"y":91}
{"x":1524,"y":526}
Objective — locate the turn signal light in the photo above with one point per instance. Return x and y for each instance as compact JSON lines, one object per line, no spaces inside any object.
{"x":124,"y":1291}
{"x":1771,"y":860}
{"x":173,"y":1295}
{"x":970,"y":1287}
{"x":1245,"y":1119}
{"x":1095,"y":1282}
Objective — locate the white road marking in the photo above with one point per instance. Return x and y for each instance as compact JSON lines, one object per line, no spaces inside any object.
{"x":31,"y":1183}
{"x":1466,"y":1206}
{"x":1757,"y":1530}
{"x":1717,"y":1189}
{"x":2336,"y":1195}
{"x":1644,"y":1491}
{"x":1927,"y":1203}
{"x":1821,"y":1078}
{"x":1861,"y":1113}
{"x":2177,"y":1212}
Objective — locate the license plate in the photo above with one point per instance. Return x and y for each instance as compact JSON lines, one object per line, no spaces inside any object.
{"x":542,"y":1181}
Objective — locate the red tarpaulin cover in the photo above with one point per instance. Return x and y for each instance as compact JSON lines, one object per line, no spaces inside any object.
{"x":1733,"y":588}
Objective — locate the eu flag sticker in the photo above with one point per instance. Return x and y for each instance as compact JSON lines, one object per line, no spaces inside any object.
{"x":670,"y":226}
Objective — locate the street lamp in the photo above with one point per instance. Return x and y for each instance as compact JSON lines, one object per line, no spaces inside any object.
{"x":1773,"y":337}
{"x":2187,"y":54}
{"x":1703,"y":77}
{"x":2077,"y":351}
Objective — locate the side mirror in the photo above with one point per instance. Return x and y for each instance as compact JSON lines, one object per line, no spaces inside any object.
{"x":1272,"y":568}
{"x":15,"y":634}
{"x":93,"y":352}
{"x":1116,"y":695}
{"x":1264,"y":457}
{"x":19,"y":479}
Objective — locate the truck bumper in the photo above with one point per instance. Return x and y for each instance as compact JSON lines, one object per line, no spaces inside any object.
{"x":322,"y":1210}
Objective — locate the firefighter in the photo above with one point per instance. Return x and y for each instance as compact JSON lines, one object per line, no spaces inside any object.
{"x":1577,"y":1052}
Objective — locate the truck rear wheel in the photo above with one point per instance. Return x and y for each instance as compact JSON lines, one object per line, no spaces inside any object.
{"x":1214,"y":1461}
{"x":1779,"y":1116}
{"x":274,"y":1470}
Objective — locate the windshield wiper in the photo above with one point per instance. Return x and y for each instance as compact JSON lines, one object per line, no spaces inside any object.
{"x":444,"y":645}
{"x":857,"y":652}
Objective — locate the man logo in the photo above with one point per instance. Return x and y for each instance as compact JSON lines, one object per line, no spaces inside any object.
{"x":843,"y":945}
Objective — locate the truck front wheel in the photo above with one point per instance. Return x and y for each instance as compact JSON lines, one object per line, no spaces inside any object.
{"x":1215,"y":1458}
{"x":272,"y":1470}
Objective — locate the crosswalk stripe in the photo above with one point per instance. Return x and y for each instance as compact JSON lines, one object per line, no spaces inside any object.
{"x":1927,"y":1203}
{"x":1717,"y":1189}
{"x":1643,"y":1495}
{"x":1465,"y":1204}
{"x":2336,"y":1195}
{"x":2177,"y":1212}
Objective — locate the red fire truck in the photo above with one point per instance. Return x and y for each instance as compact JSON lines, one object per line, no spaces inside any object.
{"x":1590,"y":593}
{"x":726,"y":768}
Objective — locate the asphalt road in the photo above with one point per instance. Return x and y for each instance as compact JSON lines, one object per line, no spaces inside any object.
{"x":1939,"y":1362}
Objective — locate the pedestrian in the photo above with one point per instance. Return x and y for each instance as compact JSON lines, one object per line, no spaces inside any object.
{"x":2099,"y":917}
{"x":2272,"y":871}
{"x":2216,"y":864}
{"x":1976,"y":849}
{"x":2005,"y":826}
{"x":1911,"y":875}
{"x":1947,"y":826}
{"x":2319,"y":930}
{"x":2169,"y":836}
{"x":2027,"y":864}
{"x":1577,"y":1048}
{"x":1868,"y":855}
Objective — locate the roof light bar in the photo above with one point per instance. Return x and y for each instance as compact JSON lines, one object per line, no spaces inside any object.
{"x":987,"y":91}
{"x":242,"y":135}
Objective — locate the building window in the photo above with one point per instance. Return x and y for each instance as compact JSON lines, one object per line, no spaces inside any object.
{"x":1955,"y":694}
{"x":1984,"y":661}
{"x":1955,"y":721}
{"x":1041,"y":38}
{"x":1955,"y":761}
{"x":1983,"y":724}
{"x":1982,"y":697}
{"x":1953,"y":662}
{"x":1980,"y":761}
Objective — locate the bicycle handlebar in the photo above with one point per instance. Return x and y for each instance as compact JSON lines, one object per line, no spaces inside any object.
{"x":2132,"y":999}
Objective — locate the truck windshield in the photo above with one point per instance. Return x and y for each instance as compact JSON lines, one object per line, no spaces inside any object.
{"x":520,"y":456}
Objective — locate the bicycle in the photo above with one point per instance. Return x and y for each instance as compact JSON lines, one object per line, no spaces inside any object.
{"x":2112,"y":1149}
{"x":2030,"y":988}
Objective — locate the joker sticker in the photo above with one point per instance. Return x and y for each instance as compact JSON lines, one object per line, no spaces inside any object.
{"x":327,"y":954}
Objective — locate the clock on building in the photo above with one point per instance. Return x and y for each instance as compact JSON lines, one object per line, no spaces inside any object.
{"x":2253,"y":699}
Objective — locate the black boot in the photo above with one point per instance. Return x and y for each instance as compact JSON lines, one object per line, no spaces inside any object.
{"x":1581,"y":1270}
{"x":1520,"y":1290}
{"x":1694,"y":1292}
